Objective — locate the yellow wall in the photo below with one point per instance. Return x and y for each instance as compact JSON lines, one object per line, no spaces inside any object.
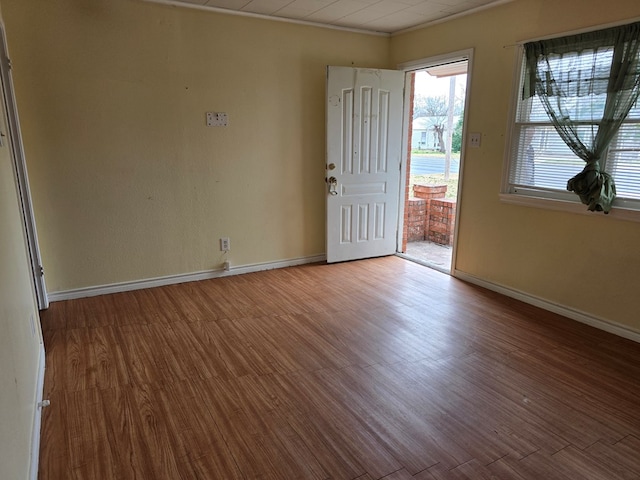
{"x":128,"y":182}
{"x":19,"y":336}
{"x":588,"y":263}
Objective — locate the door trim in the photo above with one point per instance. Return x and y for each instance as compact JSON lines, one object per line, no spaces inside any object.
{"x":420,"y":64}
{"x":14,"y":137}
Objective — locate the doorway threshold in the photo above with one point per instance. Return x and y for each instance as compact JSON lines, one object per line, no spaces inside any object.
{"x":429,"y":254}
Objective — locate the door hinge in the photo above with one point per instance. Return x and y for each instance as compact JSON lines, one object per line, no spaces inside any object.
{"x":9,"y":66}
{"x":41,"y":269}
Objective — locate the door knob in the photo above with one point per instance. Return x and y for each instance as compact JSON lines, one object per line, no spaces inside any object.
{"x":333,"y":185}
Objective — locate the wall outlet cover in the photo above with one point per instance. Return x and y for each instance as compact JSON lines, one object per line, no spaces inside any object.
{"x":217,"y":119}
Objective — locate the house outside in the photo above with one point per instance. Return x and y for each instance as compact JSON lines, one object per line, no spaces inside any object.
{"x":423,"y":136}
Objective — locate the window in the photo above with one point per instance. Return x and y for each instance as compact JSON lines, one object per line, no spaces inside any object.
{"x":540,"y":163}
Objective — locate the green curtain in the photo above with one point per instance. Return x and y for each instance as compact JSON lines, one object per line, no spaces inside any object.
{"x":587,"y":84}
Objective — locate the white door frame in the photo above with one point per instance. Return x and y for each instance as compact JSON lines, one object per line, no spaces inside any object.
{"x":14,"y":138}
{"x":421,"y":64}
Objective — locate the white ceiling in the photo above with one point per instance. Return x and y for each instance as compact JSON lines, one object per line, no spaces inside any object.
{"x":386,"y":16}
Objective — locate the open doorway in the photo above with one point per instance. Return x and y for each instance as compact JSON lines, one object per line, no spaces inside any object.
{"x":436,"y":107}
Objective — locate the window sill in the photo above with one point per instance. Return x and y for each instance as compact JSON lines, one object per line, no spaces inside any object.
{"x":565,"y":206}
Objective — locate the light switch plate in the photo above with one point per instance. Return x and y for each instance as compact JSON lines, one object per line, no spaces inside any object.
{"x":217,"y":119}
{"x":474,"y":139}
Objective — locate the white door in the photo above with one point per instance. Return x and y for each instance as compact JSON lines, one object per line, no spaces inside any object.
{"x":364,"y":145}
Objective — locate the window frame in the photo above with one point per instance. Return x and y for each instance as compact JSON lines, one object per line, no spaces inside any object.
{"x":551,"y":199}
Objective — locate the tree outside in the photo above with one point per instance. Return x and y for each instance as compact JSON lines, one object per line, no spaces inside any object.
{"x":438,"y":108}
{"x":434,"y":110}
{"x":456,"y":143}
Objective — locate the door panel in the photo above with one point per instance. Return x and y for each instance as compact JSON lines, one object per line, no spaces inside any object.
{"x":364,"y":132}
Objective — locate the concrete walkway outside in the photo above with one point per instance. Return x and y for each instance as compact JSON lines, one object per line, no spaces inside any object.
{"x":431,"y":254}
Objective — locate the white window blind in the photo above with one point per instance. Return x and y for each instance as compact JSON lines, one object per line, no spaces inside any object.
{"x":540,"y":163}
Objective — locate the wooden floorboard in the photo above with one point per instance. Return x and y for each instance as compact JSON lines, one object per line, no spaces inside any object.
{"x":368,"y":370}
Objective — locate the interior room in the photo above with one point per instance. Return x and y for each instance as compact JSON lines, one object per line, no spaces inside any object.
{"x":130,"y":189}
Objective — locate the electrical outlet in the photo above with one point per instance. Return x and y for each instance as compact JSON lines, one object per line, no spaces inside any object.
{"x":474,"y":139}
{"x":227,"y":266}
{"x":225,"y":244}
{"x":217,"y":119}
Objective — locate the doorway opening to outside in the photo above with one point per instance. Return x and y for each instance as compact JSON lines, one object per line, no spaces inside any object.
{"x":436,"y":107}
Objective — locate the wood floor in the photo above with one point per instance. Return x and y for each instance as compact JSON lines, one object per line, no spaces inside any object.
{"x":365,"y":370}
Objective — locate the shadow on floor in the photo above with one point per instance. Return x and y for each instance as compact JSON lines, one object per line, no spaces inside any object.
{"x":430,"y":254}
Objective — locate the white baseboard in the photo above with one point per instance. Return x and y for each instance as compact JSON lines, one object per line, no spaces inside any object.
{"x":181,"y":278}
{"x":582,"y":317}
{"x":37,"y":416}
